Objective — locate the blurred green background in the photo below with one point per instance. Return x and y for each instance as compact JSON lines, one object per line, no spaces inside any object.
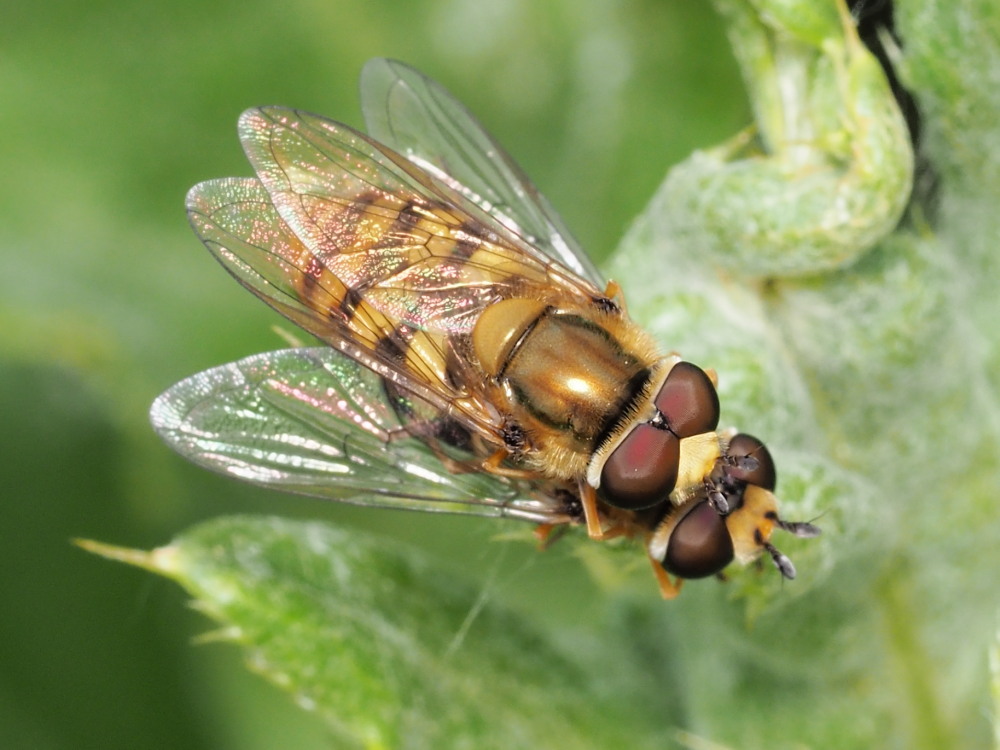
{"x":111,"y":111}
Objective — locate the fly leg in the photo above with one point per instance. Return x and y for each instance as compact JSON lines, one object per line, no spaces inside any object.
{"x":494,"y":465}
{"x":548,"y":534}
{"x":592,"y":515}
{"x":668,"y":588}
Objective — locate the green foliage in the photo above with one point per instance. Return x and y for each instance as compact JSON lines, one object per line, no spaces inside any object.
{"x":391,"y":651}
{"x":827,"y":171}
{"x":883,"y":362}
{"x":868,"y":360}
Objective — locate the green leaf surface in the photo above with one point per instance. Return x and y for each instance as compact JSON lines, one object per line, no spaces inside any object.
{"x":827,"y":169}
{"x":884,"y":371}
{"x":391,"y":650}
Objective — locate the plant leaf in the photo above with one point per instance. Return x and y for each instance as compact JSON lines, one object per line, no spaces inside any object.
{"x":392,"y":651}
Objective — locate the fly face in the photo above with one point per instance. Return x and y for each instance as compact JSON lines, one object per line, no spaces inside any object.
{"x":475,"y":359}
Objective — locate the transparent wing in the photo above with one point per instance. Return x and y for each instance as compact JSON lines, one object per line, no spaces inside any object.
{"x":237,"y":222}
{"x":417,"y":117}
{"x":363,"y":249}
{"x":315,"y":422}
{"x":348,"y":197}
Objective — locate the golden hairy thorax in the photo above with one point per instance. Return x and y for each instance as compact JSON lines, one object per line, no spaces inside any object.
{"x":566,"y":375}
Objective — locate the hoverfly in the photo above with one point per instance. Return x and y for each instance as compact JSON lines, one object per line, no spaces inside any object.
{"x":475,"y":362}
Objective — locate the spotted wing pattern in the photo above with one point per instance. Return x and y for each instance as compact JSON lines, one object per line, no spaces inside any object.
{"x":315,"y":422}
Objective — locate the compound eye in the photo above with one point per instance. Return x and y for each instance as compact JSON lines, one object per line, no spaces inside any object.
{"x":642,"y":471}
{"x":700,"y":544}
{"x":764,"y":474}
{"x":688,"y":400}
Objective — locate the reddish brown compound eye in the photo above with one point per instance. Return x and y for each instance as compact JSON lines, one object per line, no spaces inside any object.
{"x":642,"y":470}
{"x":700,"y":544}
{"x":688,"y":401}
{"x":763,"y":474}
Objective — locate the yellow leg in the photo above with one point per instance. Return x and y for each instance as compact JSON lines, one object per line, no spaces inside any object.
{"x":588,"y":498}
{"x":548,"y":534}
{"x":613,"y":533}
{"x":542,"y":533}
{"x":668,"y":589}
{"x":595,"y":527}
{"x":493,"y":466}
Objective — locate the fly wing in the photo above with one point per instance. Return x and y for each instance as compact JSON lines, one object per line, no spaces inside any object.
{"x":238,"y":223}
{"x":420,"y":119}
{"x":380,"y":222}
{"x":373,"y":255}
{"x":315,"y":422}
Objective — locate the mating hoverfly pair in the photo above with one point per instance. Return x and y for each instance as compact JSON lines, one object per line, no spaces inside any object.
{"x":476,"y":360}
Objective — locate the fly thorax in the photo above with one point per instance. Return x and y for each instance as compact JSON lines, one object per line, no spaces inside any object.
{"x":563,"y":370}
